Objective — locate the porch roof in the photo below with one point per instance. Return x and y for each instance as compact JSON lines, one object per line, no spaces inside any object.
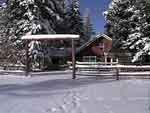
{"x":51,"y":37}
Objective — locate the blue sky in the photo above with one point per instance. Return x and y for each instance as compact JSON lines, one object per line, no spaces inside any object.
{"x":96,"y":7}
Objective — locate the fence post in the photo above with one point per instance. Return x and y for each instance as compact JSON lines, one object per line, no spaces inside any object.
{"x":117,"y":73}
{"x":105,"y":55}
{"x":111,"y":61}
{"x":117,"y":60}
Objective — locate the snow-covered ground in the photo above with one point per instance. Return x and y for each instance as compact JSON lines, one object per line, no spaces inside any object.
{"x":58,"y":93}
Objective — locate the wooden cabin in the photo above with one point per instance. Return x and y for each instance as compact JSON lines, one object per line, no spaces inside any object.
{"x":96,"y":49}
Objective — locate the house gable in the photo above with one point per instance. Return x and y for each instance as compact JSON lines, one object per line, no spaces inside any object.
{"x":95,"y":47}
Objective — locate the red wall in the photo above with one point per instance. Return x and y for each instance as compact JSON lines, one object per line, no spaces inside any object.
{"x":99,"y":51}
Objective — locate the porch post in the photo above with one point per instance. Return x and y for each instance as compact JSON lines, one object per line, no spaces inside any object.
{"x":27,"y":59}
{"x":73,"y":60}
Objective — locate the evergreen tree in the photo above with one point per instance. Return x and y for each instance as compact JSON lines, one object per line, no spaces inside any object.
{"x":88,"y":27}
{"x":22,"y":17}
{"x":75,"y":21}
{"x":128,"y":24}
{"x":19,"y":19}
{"x":32,"y":17}
{"x":118,"y":23}
{"x":7,"y":48}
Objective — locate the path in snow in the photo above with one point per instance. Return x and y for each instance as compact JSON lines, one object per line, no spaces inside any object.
{"x":61,"y":94}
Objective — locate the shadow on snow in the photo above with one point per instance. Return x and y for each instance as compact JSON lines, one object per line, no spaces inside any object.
{"x":48,"y":87}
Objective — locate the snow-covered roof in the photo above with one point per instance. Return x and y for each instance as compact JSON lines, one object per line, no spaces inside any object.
{"x":51,"y":36}
{"x":93,"y":40}
{"x":105,"y":36}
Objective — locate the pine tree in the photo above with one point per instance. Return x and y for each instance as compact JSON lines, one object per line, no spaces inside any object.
{"x":18,"y":20}
{"x":7,"y":48}
{"x":75,"y":22}
{"x":32,"y":17}
{"x":23,"y":17}
{"x":88,"y":27}
{"x":141,"y":45}
{"x":128,"y":24}
{"x":118,"y":23}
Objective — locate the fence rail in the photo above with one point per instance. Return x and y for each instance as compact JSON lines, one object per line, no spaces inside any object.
{"x":113,"y":68}
{"x":6,"y":66}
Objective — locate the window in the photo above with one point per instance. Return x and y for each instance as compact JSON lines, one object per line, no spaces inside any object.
{"x":101,"y":46}
{"x":89,"y":58}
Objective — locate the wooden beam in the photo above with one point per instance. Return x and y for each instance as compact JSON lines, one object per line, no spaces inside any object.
{"x":73,"y":60}
{"x":27,"y":59}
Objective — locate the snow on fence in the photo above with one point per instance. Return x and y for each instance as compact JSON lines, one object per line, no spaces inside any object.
{"x":96,"y":63}
{"x":8,"y":66}
{"x":113,"y":68}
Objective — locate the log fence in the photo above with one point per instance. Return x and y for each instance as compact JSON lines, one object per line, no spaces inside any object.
{"x":113,"y":69}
